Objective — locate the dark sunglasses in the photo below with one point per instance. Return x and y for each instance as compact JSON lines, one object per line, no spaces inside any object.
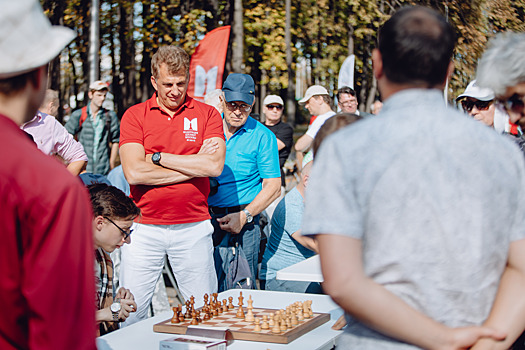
{"x":278,"y":107}
{"x":126,"y":234}
{"x":468,"y":105}
{"x":515,"y":103}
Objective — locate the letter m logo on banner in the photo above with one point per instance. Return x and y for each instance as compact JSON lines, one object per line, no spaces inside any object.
{"x":207,"y":63}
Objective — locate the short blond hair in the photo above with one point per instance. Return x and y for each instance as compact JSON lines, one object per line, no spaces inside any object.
{"x":174,"y":57}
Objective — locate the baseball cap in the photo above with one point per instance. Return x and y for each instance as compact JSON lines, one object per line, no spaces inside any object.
{"x":475,"y":91}
{"x":239,"y":87}
{"x":313,"y":90}
{"x":27,"y":38}
{"x":273,"y":99}
{"x":98,"y":85}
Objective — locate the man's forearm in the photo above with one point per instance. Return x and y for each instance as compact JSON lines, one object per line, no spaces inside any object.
{"x":76,"y":168}
{"x":508,"y":310}
{"x":208,"y":162}
{"x":113,"y":155}
{"x":270,"y":191}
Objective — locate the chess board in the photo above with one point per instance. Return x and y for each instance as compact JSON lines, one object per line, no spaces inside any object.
{"x":243,"y":330}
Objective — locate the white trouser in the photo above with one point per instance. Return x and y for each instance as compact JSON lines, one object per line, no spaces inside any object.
{"x":190,"y":251}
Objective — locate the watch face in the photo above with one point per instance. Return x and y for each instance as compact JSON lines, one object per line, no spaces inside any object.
{"x":115,"y":307}
{"x":155,"y":157}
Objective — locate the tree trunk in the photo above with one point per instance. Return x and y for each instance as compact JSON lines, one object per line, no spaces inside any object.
{"x":127,"y":55}
{"x":238,"y":37}
{"x":290,"y":91}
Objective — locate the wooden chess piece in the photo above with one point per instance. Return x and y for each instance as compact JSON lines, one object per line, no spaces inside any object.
{"x":241,"y":298}
{"x":300,"y":315}
{"x":250,"y":302}
{"x":175,"y":318}
{"x":276,"y":329}
{"x":283,"y":326}
{"x":240,"y":313}
{"x":294,"y":320}
{"x":257,"y":327}
{"x":230,"y":305}
{"x":249,"y":316}
{"x":215,"y":312}
{"x":288,"y":323}
{"x":265,"y":324}
{"x":224,"y":305}
{"x":194,"y":320}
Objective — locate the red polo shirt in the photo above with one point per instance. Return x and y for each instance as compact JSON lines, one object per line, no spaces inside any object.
{"x":184,"y":133}
{"x":47,"y":287}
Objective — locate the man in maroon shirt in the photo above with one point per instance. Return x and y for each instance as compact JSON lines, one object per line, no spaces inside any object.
{"x":47,"y":287}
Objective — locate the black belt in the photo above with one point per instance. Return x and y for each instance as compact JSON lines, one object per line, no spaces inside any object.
{"x":227,"y":210}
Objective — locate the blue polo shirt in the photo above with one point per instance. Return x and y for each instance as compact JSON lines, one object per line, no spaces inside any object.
{"x":251,"y":156}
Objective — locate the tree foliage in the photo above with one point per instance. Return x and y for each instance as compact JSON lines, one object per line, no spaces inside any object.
{"x":323,"y":33}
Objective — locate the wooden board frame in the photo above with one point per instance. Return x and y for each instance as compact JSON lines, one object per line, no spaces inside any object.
{"x":267,"y":336}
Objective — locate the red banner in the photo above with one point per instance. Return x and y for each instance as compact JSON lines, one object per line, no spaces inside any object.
{"x":207,"y":63}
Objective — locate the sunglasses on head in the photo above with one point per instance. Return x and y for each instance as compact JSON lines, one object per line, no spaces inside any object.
{"x":515,"y":103}
{"x":468,"y":105}
{"x":278,"y":107}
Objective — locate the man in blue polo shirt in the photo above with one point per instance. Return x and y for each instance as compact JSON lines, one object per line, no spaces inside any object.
{"x":251,"y":177}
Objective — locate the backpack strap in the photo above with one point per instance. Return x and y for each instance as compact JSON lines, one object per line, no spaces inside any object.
{"x":83,"y":117}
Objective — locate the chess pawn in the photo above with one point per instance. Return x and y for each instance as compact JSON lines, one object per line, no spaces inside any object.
{"x":240,"y":313}
{"x":294,"y":320}
{"x":283,"y":326}
{"x":276,"y":329}
{"x":215,"y":312}
{"x":271,"y":322}
{"x":230,"y":305}
{"x":175,"y":318}
{"x":257,"y":327}
{"x":194,"y":320}
{"x":265,"y":323}
{"x":249,"y":316}
{"x":224,"y":305}
{"x":288,"y":323}
{"x":300,"y":316}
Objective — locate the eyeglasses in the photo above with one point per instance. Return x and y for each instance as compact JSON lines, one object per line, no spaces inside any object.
{"x":514,"y":104}
{"x":468,"y":105}
{"x":126,"y":234}
{"x":278,"y":107}
{"x":242,"y":107}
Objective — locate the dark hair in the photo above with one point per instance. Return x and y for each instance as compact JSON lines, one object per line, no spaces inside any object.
{"x":326,"y":98}
{"x":331,"y":125}
{"x":416,"y":46}
{"x":345,"y":90}
{"x":110,"y":202}
{"x":14,"y":84}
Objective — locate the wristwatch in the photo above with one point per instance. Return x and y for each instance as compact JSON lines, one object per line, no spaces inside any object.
{"x":155,"y":158}
{"x":115,"y":309}
{"x":249,"y":217}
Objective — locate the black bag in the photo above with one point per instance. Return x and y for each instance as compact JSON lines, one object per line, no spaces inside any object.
{"x":231,"y":265}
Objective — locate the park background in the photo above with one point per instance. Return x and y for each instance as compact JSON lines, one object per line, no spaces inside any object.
{"x":284,"y":45}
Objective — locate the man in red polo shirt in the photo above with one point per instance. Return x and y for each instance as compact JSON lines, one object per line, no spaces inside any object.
{"x":169,"y":146}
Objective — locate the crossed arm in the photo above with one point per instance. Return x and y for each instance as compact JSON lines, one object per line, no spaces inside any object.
{"x":139,"y":170}
{"x":346,"y":282}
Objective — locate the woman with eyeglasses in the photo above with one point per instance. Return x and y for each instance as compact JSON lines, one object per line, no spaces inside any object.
{"x":113,"y":215}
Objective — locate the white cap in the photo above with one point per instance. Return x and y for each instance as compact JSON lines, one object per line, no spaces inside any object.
{"x":473,"y":90}
{"x":313,"y":90}
{"x":27,"y":38}
{"x":273,"y":99}
{"x":98,"y":85}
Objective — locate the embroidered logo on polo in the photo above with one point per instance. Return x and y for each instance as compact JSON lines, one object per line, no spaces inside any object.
{"x":191,"y":129}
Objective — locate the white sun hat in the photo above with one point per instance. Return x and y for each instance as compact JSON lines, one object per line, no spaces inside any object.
{"x":27,"y":38}
{"x":313,"y":90}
